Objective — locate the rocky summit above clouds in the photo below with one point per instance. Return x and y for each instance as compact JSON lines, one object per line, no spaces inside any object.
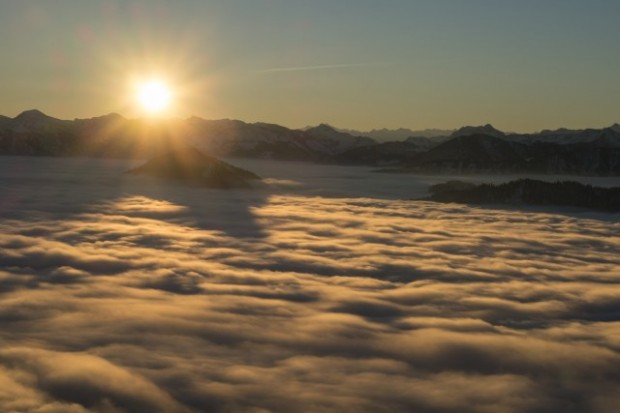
{"x":189,"y":165}
{"x":529,"y":192}
{"x":471,"y":149}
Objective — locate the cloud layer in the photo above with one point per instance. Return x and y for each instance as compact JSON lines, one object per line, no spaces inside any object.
{"x":135,"y":297}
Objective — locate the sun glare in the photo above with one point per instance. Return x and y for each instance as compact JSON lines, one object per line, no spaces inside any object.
{"x":153,"y":96}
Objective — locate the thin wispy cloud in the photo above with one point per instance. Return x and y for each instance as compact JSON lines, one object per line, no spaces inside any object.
{"x":324,"y":67}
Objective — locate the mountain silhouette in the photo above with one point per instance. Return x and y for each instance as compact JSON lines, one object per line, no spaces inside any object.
{"x":478,"y":149}
{"x":529,"y":192}
{"x":189,"y":165}
{"x":487,"y":130}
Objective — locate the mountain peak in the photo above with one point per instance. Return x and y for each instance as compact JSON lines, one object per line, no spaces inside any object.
{"x":31,"y":114}
{"x":33,"y":119}
{"x":323,"y":127}
{"x":113,"y":115}
{"x":487,"y":129}
{"x":188,"y":164}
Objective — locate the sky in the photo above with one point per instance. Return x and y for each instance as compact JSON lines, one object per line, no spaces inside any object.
{"x":521,"y":65}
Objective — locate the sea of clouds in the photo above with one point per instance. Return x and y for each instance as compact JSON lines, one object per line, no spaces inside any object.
{"x":325,"y":289}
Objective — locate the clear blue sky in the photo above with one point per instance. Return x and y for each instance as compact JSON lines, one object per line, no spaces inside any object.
{"x":522,"y":65}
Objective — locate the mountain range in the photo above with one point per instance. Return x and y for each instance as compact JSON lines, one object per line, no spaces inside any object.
{"x":390,"y":135}
{"x":188,"y":165}
{"x":470,"y":149}
{"x":479,"y":153}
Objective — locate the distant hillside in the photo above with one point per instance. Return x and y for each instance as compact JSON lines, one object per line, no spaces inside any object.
{"x":487,"y":154}
{"x":188,"y":165}
{"x":381,"y":154}
{"x":471,"y":149}
{"x":487,"y":130}
{"x":335,"y":142}
{"x":400,"y":134}
{"x":529,"y":192}
{"x":34,"y":133}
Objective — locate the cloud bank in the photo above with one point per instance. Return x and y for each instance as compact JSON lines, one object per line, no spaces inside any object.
{"x":136,"y":297}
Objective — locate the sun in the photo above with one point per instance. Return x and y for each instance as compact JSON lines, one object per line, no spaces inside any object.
{"x":153,"y":96}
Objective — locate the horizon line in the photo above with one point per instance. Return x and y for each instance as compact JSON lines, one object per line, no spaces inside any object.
{"x":345,"y":129}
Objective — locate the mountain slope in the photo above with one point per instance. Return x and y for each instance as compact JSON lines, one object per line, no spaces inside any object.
{"x":472,"y":153}
{"x":487,"y":130}
{"x":529,"y":192}
{"x":487,"y":154}
{"x":34,"y":133}
{"x":35,"y":121}
{"x":189,"y":165}
{"x":589,"y":151}
{"x":391,"y":135}
{"x":331,"y":141}
{"x":381,"y":154}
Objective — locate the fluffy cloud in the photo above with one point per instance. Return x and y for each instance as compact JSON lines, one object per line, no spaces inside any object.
{"x":124,"y":295}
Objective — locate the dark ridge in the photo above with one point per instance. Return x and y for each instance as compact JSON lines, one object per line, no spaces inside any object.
{"x":594,"y":152}
{"x":189,"y":165}
{"x":487,"y":154}
{"x":385,"y":153}
{"x":529,"y":192}
{"x":487,"y":129}
{"x":31,"y":113}
{"x":34,"y":115}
